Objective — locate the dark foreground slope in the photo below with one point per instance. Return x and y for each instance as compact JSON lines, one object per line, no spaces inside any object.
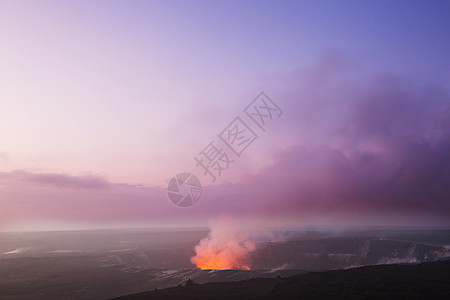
{"x":420,"y":281}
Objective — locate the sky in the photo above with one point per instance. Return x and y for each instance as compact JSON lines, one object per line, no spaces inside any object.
{"x":103,"y":102}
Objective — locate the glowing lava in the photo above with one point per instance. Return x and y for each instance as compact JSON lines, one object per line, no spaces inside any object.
{"x":224,"y":248}
{"x":220,"y":263}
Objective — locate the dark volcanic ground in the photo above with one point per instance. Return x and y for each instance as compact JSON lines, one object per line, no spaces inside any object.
{"x":87,"y":265}
{"x":418,"y":281}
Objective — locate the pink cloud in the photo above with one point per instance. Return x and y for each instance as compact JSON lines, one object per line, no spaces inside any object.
{"x":363,"y":150}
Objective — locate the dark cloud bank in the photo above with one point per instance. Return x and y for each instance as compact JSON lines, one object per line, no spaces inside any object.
{"x":377,"y":146}
{"x":54,"y":180}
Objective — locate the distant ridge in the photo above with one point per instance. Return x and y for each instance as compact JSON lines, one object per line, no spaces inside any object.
{"x":413,"y":281}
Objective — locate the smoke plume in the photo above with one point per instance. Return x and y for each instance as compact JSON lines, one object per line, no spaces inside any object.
{"x":227,"y":246}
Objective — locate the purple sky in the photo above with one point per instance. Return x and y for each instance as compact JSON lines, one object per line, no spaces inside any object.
{"x":102,"y":102}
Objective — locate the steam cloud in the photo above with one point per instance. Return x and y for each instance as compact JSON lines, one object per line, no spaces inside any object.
{"x":226,"y":247}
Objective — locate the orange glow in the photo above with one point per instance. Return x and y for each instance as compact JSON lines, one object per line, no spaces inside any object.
{"x":220,"y":263}
{"x":225,"y":248}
